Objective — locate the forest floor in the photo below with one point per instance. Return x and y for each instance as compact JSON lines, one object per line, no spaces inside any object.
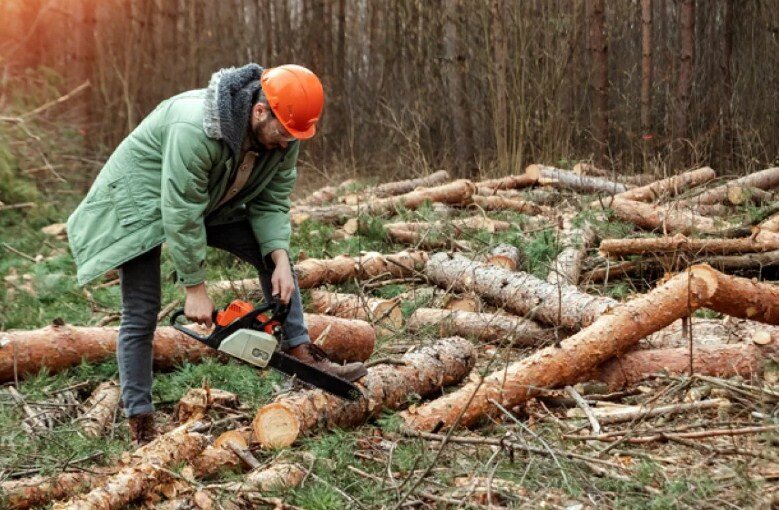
{"x":376,"y":465}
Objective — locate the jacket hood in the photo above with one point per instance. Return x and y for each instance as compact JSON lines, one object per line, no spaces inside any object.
{"x":228,"y":104}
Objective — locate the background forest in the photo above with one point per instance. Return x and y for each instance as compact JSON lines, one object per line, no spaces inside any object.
{"x":471,"y":86}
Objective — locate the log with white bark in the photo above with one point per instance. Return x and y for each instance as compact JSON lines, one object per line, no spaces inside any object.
{"x":567,"y":266}
{"x":667,"y":217}
{"x":764,"y":180}
{"x":278,"y":476}
{"x":487,"y":327}
{"x":669,"y":187}
{"x":456,"y":226}
{"x":610,"y":335}
{"x":623,"y":414}
{"x":147,"y":470}
{"x":384,"y":314}
{"x":498,"y":203}
{"x":521,"y":293}
{"x":457,"y":192}
{"x":681,"y":244}
{"x":771,"y":224}
{"x":505,"y":256}
{"x":569,"y":180}
{"x":38,"y":491}
{"x":425,"y":371}
{"x":746,"y":360}
{"x":401,"y":187}
{"x":101,"y":407}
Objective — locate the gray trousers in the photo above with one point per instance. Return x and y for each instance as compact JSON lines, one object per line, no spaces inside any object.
{"x":140,"y":280}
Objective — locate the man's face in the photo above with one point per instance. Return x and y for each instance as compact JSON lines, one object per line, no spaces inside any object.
{"x":267,"y":129}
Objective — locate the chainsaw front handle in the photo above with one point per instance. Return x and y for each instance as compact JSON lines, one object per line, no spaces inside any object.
{"x":209,"y":340}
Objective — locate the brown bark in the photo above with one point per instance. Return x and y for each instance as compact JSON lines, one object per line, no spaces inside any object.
{"x":401,"y":187}
{"x":567,"y":266}
{"x":487,"y":327}
{"x":611,"y":334}
{"x":646,"y":68}
{"x":669,"y":187}
{"x":327,"y":194}
{"x":599,"y":78}
{"x":682,"y":244}
{"x":418,"y":239}
{"x":498,"y":203}
{"x":504,"y":183}
{"x":669,"y":218}
{"x":765,"y":180}
{"x":519,"y":292}
{"x":134,"y":480}
{"x":344,"y":340}
{"x":101,"y":406}
{"x":61,"y":347}
{"x":741,"y":297}
{"x":565,"y":179}
{"x":686,"y":60}
{"x":633,"y":367}
{"x":589,"y":169}
{"x":384,"y":314}
{"x":505,"y":256}
{"x":425,"y":371}
{"x":314,"y":272}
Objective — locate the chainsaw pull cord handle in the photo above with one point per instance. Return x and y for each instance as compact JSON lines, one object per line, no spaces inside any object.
{"x":208,"y":340}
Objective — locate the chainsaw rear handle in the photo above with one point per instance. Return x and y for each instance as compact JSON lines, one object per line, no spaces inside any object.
{"x":208,"y":340}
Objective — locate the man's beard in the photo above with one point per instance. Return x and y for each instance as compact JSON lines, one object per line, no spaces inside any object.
{"x":257,"y":138}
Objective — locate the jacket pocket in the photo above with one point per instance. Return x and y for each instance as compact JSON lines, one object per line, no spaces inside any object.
{"x":123,"y":198}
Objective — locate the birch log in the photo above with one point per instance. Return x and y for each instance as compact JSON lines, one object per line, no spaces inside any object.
{"x":765,"y":180}
{"x":569,"y":180}
{"x":101,"y":406}
{"x":567,"y":266}
{"x":681,"y":244}
{"x":425,"y":371}
{"x":132,"y":481}
{"x":669,"y":218}
{"x":746,"y":360}
{"x":521,"y":293}
{"x":487,"y":327}
{"x":611,"y":334}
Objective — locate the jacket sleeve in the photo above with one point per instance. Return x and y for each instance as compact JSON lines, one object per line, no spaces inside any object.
{"x":186,"y":162}
{"x":269,"y":211}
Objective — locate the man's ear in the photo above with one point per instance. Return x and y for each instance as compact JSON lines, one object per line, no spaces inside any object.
{"x":257,"y":110}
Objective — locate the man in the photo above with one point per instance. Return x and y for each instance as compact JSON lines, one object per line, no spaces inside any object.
{"x":213,"y":167}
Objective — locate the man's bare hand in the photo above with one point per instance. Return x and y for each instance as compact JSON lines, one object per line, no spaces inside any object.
{"x":282,"y":282}
{"x":198,"y":307}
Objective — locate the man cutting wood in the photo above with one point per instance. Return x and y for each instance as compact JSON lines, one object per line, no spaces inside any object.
{"x":208,"y":167}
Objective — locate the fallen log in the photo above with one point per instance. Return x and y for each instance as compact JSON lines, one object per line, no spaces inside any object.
{"x":456,"y":192}
{"x":197,"y":401}
{"x":278,"y":476}
{"x":741,"y":297}
{"x":57,"y":348}
{"x":710,"y":332}
{"x":147,"y":470}
{"x":425,"y":240}
{"x":384,"y":314}
{"x":498,"y":203}
{"x":669,"y":187}
{"x":401,"y":187}
{"x":344,"y":340}
{"x":456,"y":226}
{"x":38,"y":491}
{"x":764,"y":180}
{"x":746,"y":360}
{"x":564,"y":179}
{"x":521,"y":293}
{"x":669,"y":218}
{"x":567,"y":266}
{"x":327,"y":194}
{"x":610,"y":416}
{"x":101,"y":407}
{"x":508,"y":182}
{"x":611,"y":334}
{"x":681,"y":244}
{"x":424,"y":372}
{"x":740,"y":195}
{"x":486,"y":327}
{"x":505,"y":256}
{"x":770,"y":224}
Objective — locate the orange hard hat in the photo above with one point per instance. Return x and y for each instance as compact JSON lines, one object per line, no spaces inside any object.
{"x":296,"y":97}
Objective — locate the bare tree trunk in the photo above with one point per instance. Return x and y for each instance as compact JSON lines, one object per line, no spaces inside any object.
{"x":646,"y":74}
{"x":600,"y":80}
{"x":686,"y":61}
{"x":500,"y":70}
{"x":681,"y":244}
{"x":455,"y":84}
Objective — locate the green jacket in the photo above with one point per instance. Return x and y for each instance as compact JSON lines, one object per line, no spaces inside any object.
{"x":162,"y":184}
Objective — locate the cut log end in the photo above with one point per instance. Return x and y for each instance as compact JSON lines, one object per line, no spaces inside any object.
{"x":275,"y":426}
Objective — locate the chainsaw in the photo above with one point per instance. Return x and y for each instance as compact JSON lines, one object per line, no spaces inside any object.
{"x":253,"y":335}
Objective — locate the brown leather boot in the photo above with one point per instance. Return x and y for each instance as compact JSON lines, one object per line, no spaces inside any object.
{"x":313,"y":355}
{"x":142,"y":429}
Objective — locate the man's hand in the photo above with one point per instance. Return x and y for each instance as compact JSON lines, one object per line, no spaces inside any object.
{"x":198,"y":306}
{"x":282,"y":283}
